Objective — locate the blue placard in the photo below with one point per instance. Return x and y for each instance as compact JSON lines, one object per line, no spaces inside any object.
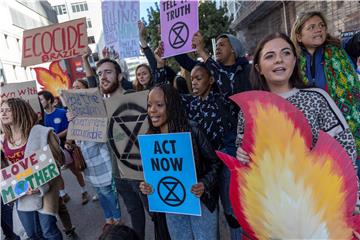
{"x":169,"y":167}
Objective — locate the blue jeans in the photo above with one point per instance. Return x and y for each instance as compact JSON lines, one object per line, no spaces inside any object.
{"x":40,"y":226}
{"x":109,"y":202}
{"x":7,"y":221}
{"x":204,"y":227}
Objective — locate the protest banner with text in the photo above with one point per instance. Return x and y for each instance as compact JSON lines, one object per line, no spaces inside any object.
{"x":169,"y":167}
{"x":23,"y":90}
{"x":31,"y":172}
{"x":54,"y":42}
{"x":90,"y":122}
{"x":120,"y":20}
{"x":179,"y":22}
{"x":127,"y":118}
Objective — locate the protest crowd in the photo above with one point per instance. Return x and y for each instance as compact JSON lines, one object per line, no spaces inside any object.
{"x":173,"y":166}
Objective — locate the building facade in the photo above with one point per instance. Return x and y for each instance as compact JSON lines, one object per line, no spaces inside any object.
{"x":73,"y":9}
{"x":17,"y":16}
{"x":91,"y":9}
{"x":255,"y":19}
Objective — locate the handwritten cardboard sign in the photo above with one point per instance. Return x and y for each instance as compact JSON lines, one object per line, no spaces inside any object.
{"x":169,"y":166}
{"x":179,"y":22}
{"x":32,"y":171}
{"x":90,"y":123}
{"x":120,"y":26}
{"x":23,"y":90}
{"x":127,"y":118}
{"x":54,"y":42}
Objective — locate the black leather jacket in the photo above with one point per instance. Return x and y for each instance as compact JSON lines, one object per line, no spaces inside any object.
{"x":208,"y":169}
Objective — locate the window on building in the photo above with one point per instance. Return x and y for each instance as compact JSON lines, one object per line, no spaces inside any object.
{"x":79,"y":7}
{"x":88,"y":23}
{"x":2,"y":74}
{"x":18,"y":43}
{"x":14,"y":67}
{"x":91,"y":39}
{"x":6,"y":41}
{"x":60,"y":9}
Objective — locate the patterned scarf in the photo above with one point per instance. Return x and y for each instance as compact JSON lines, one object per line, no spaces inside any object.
{"x":343,"y":86}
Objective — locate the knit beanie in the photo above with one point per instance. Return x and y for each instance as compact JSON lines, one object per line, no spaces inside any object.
{"x":235,"y":44}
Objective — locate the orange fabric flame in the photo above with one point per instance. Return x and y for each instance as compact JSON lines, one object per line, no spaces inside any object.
{"x":53,"y":79}
{"x":288,"y":190}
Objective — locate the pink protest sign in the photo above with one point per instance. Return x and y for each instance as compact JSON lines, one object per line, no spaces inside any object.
{"x":179,"y":22}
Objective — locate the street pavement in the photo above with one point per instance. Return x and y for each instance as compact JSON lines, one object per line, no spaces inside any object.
{"x":89,"y":220}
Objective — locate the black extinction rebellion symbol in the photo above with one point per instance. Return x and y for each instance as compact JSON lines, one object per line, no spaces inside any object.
{"x":122,"y":120}
{"x":171,"y":191}
{"x":178,"y":35}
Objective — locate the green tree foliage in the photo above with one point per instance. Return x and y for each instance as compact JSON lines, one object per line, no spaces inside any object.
{"x":153,"y":25}
{"x":212,"y":22}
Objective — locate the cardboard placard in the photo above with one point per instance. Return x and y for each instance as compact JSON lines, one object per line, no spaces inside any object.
{"x":54,"y":42}
{"x":120,"y":24}
{"x":23,"y":90}
{"x":127,"y":118}
{"x":179,"y":22}
{"x":32,"y":171}
{"x":169,"y":167}
{"x":90,"y":122}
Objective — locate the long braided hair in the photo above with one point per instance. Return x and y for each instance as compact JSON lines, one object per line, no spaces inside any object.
{"x":176,"y":117}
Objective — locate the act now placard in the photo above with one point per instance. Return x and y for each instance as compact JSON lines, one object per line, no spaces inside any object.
{"x":32,"y":171}
{"x":169,"y":167}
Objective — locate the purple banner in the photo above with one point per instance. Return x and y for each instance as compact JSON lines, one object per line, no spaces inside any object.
{"x":179,"y":22}
{"x":120,"y":19}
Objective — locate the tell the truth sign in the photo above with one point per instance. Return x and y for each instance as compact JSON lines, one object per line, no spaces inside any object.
{"x":32,"y":171}
{"x":55,"y":42}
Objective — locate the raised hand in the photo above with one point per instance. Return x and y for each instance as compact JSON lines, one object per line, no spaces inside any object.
{"x":142,"y":34}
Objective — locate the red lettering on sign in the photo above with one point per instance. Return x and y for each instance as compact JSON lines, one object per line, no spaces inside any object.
{"x":33,"y":160}
{"x":15,"y":169}
{"x":58,"y":37}
{"x":25,"y":47}
{"x":49,"y":41}
{"x":78,"y":26}
{"x":5,"y":174}
{"x":34,"y":46}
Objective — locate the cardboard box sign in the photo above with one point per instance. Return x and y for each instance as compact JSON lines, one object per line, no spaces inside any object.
{"x":54,"y":42}
{"x":32,"y":171}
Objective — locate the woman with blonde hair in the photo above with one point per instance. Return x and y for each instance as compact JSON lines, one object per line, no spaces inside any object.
{"x":23,"y":136}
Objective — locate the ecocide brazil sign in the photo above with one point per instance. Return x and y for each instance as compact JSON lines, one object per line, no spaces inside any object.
{"x":54,"y":42}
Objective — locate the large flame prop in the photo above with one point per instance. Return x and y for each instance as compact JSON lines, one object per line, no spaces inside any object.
{"x":53,"y":79}
{"x":288,"y":190}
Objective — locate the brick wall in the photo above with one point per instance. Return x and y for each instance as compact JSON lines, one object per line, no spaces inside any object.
{"x":341,"y":16}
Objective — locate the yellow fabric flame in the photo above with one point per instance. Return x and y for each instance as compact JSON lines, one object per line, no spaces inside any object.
{"x":286,"y":195}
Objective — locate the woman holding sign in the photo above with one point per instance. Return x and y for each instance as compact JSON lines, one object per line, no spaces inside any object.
{"x":22,"y":137}
{"x":166,"y":115}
